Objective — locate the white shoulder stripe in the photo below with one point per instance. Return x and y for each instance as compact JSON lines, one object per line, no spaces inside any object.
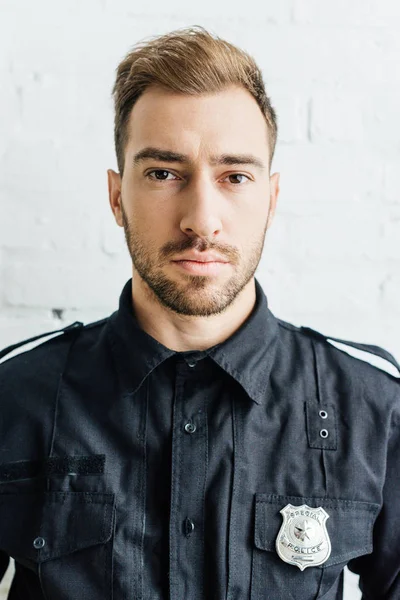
{"x":375,"y":361}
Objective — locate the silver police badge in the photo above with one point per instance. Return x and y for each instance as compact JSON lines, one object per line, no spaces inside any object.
{"x":303,"y":539}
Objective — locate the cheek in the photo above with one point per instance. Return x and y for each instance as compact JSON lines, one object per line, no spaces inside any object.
{"x":152,"y":207}
{"x":251,"y":235}
{"x":252,"y":222}
{"x":153,"y":223}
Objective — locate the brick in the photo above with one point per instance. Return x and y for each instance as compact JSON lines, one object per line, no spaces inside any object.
{"x":391,"y":185}
{"x":390,"y":296}
{"x":69,"y":280}
{"x":112,"y":237}
{"x":365,"y":117}
{"x":313,"y":56}
{"x":321,"y":173}
{"x":53,"y":165}
{"x":207,"y":10}
{"x":40,"y":222}
{"x":391,"y":239}
{"x":338,"y":118}
{"x":331,"y":288}
{"x":10,"y":111}
{"x":292,"y":114}
{"x":341,"y":13}
{"x":330,"y":236}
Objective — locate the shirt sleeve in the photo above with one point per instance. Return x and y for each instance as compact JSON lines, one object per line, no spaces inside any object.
{"x":380,"y":571}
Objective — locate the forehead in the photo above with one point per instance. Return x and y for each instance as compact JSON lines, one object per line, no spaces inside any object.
{"x":226,"y":121}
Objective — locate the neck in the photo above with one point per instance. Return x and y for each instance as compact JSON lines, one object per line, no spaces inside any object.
{"x":186,"y":332}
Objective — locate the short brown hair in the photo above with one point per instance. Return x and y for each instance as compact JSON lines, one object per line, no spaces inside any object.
{"x":188,"y":61}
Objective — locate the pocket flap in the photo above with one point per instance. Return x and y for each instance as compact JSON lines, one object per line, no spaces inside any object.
{"x":41,"y":526}
{"x":349,"y":526}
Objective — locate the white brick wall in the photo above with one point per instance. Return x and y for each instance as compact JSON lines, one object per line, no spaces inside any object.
{"x":333,"y":255}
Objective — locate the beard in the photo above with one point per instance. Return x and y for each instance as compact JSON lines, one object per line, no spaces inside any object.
{"x":192,"y":295}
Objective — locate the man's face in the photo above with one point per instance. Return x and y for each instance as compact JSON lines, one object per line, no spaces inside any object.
{"x":196,"y":184}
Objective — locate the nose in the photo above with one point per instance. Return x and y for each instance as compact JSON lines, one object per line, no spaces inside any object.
{"x":201,"y":207}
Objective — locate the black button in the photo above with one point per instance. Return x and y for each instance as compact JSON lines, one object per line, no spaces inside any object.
{"x":192,"y":363}
{"x":188,"y":526}
{"x":190,"y":427}
{"x":38,"y":543}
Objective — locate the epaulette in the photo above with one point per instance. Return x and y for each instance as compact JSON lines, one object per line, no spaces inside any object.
{"x":376,"y":350}
{"x":65,"y":330}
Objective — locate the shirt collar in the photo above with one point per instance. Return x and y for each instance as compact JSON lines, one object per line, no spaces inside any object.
{"x":247,"y":355}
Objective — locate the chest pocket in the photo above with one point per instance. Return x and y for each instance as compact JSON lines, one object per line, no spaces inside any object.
{"x":349,"y":528}
{"x":65,"y":537}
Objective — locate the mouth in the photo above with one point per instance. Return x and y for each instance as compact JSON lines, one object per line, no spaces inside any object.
{"x":201,"y":268}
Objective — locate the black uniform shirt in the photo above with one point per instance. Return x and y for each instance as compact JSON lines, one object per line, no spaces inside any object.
{"x":130,"y":471}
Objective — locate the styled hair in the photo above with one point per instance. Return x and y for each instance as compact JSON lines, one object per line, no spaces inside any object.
{"x":188,"y":61}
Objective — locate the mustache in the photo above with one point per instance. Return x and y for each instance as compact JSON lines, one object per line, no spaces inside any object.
{"x":201,"y":245}
{"x":195,"y":243}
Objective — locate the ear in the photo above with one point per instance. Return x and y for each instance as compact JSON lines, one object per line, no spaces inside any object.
{"x":273,"y":198}
{"x":114,"y":195}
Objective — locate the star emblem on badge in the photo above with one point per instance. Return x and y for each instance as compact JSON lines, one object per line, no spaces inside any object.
{"x":304,"y":530}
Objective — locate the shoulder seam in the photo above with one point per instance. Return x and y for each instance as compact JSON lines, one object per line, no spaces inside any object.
{"x":288,"y":326}
{"x":95,"y":323}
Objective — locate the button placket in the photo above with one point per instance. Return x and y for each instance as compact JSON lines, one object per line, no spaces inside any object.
{"x":188,"y":477}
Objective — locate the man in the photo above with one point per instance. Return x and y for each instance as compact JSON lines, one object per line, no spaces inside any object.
{"x":192,"y":445}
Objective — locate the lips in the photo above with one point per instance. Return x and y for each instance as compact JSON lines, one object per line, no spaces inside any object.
{"x":201,"y":258}
{"x":196,"y":267}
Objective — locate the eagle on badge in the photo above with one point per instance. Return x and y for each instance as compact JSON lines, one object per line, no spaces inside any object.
{"x":303,"y":539}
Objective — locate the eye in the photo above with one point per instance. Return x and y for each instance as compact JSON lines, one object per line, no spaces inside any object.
{"x":235,"y":176}
{"x":159,"y":175}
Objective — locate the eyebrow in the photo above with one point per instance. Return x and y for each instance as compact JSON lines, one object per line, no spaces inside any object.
{"x":152,"y":153}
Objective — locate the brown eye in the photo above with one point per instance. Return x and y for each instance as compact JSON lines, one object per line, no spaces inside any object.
{"x":233,"y":178}
{"x":160,"y":174}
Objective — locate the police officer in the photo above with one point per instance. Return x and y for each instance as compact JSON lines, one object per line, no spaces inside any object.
{"x":192,"y":445}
